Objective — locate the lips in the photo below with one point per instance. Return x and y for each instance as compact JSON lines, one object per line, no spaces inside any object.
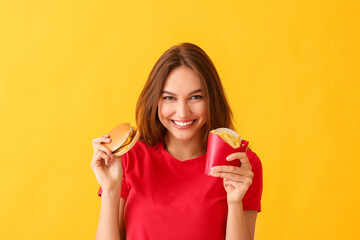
{"x":183,"y":124}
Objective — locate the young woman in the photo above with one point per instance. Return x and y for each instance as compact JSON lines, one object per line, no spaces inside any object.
{"x":158,"y":190}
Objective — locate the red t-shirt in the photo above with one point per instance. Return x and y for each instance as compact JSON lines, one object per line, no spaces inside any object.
{"x":171,"y":199}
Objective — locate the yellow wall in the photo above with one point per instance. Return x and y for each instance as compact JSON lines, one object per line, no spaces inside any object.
{"x":71,"y":70}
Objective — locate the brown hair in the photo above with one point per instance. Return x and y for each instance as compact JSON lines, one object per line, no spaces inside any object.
{"x":219,"y":113}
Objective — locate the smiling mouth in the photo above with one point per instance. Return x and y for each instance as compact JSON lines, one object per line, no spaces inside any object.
{"x":183,"y":124}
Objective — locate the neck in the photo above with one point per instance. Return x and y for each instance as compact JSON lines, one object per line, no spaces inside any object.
{"x":184,"y":150}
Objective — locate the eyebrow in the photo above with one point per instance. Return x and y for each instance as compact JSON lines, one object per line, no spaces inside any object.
{"x":193,"y":92}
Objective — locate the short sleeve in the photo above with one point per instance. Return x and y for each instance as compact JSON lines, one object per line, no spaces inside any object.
{"x":124,"y":185}
{"x":252,"y":198}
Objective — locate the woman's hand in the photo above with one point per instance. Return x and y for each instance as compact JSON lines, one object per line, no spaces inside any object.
{"x":107,"y":168}
{"x":236,"y":179}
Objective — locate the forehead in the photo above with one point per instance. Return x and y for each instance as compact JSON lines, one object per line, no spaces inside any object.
{"x":182,"y":80}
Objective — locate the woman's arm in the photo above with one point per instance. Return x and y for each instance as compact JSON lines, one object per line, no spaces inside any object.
{"x":122,"y":218}
{"x":109,"y":173}
{"x":240,"y":224}
{"x":108,"y":227}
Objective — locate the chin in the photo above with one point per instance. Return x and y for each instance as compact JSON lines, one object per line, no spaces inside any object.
{"x":183,"y":136}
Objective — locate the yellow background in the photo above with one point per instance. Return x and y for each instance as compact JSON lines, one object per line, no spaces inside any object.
{"x":71,"y":70}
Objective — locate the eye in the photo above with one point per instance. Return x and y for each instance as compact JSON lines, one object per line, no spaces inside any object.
{"x":196,"y":97}
{"x":168,"y":98}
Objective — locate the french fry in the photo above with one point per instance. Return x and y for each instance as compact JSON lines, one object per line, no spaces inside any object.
{"x":238,"y":141}
{"x":229,"y":138}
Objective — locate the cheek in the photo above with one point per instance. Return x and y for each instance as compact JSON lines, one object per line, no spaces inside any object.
{"x":164,"y":110}
{"x":200,"y":110}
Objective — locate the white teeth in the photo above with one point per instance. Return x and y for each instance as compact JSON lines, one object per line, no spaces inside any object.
{"x":183,"y":123}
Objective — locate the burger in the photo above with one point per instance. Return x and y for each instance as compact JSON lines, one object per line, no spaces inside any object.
{"x":123,"y":138}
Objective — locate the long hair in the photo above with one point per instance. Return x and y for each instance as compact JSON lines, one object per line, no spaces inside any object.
{"x":190,"y":55}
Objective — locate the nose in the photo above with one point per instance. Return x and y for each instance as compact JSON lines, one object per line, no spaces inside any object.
{"x":183,"y":110}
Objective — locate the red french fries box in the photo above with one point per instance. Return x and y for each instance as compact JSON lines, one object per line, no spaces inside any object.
{"x":218,"y":150}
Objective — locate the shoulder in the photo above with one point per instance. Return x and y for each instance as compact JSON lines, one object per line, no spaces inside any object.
{"x":252,"y":198}
{"x":140,"y":149}
{"x":143,"y":147}
{"x":139,"y":146}
{"x":254,"y":160}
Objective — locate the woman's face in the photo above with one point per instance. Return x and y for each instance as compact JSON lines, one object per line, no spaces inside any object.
{"x":182,"y":105}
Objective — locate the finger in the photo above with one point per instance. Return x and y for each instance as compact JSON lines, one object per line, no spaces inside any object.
{"x":245,"y":164}
{"x":228,"y":184}
{"x":234,"y":177}
{"x":232,"y":169}
{"x":225,"y":168}
{"x":98,"y":158}
{"x":231,"y":176}
{"x":96,"y":161}
{"x":236,"y":155}
{"x":106,"y":158}
{"x":105,"y":149}
{"x":236,"y":185}
{"x":244,"y":182}
{"x":102,"y":139}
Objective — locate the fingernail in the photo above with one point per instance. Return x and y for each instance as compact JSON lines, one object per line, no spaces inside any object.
{"x":229,"y":157}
